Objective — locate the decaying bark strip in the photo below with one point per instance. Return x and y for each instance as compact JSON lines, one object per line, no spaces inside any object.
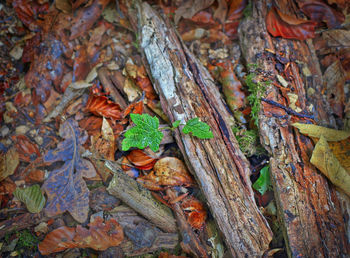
{"x":308,"y":206}
{"x":187,"y":90}
{"x":142,"y":236}
{"x":140,"y":199}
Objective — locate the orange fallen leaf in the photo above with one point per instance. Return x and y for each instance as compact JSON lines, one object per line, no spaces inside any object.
{"x":99,"y":236}
{"x":196,"y":213}
{"x":141,"y":160}
{"x":101,"y":106}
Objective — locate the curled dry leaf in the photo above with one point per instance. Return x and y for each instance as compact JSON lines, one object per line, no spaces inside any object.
{"x":99,"y":236}
{"x":195,"y":211}
{"x":101,"y":106}
{"x":324,"y":159}
{"x":141,"y":160}
{"x":8,"y":163}
{"x":279,"y":24}
{"x":65,"y":188}
{"x":231,"y":86}
{"x":168,"y":171}
{"x":321,"y":12}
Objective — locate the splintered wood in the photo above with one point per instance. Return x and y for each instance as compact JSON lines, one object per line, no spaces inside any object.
{"x":186,"y":91}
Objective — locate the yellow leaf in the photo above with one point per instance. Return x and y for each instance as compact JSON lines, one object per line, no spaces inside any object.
{"x":327,"y":163}
{"x":318,"y":131}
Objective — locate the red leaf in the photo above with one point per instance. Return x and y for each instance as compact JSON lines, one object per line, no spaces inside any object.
{"x":101,"y":106}
{"x":236,"y":9}
{"x":288,"y":27}
{"x":321,"y":12}
{"x":27,"y":150}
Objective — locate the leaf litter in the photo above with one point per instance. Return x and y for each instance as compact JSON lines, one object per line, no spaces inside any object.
{"x":75,"y":44}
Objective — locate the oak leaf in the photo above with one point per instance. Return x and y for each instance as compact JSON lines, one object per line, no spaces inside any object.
{"x":65,"y":188}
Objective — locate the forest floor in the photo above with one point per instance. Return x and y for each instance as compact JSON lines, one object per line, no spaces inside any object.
{"x":73,"y":82}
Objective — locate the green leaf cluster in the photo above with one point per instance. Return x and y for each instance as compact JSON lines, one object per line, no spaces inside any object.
{"x":263,"y":183}
{"x":146,"y":131}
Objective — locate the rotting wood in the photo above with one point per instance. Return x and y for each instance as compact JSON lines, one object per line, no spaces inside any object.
{"x":186,"y":90}
{"x":308,"y":207}
{"x":140,"y":199}
{"x":148,"y":239}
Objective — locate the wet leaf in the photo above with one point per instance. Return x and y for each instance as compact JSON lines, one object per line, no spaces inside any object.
{"x":58,"y":240}
{"x":86,"y":17}
{"x":324,"y":159}
{"x":190,"y":8}
{"x":321,"y":12}
{"x":262,"y":184}
{"x":28,"y":151}
{"x":318,"y":131}
{"x":144,"y":134}
{"x":32,"y":197}
{"x":279,"y":24}
{"x":8,"y":163}
{"x":198,"y":129}
{"x":99,"y":236}
{"x":101,"y":106}
{"x":65,"y":188}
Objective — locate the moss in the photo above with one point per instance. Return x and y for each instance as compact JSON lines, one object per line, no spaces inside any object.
{"x":26,"y":239}
{"x":256,"y":88}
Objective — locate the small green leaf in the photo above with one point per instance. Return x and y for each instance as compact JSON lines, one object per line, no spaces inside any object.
{"x":32,"y":197}
{"x":198,"y":129}
{"x":263,"y":182}
{"x":176,"y":124}
{"x":145,"y":133}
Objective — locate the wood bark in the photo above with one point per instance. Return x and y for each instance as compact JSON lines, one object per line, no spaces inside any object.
{"x":308,"y":206}
{"x":186,"y":90}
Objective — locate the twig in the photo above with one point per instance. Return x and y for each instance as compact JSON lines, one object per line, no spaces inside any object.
{"x":287,"y":109}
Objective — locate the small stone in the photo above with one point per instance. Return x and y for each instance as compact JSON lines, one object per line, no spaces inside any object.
{"x":39,"y":140}
{"x":22,"y":129}
{"x":4,"y":131}
{"x":16,"y":52}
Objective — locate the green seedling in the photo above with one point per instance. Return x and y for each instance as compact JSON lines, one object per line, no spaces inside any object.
{"x":262,"y":184}
{"x":147,"y":132}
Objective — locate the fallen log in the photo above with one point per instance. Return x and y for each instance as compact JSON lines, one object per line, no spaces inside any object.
{"x":308,"y":206}
{"x":186,"y":90}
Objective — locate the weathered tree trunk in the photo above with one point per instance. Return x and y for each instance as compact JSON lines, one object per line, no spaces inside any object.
{"x":308,"y":206}
{"x":187,"y":90}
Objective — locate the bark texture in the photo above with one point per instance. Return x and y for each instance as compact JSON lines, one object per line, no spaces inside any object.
{"x":308,"y":206}
{"x":186,"y":91}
